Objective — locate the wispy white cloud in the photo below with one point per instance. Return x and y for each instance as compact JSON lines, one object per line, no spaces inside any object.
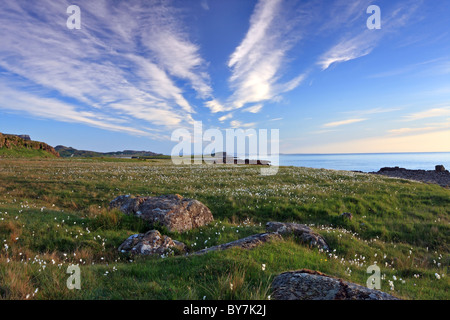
{"x":257,"y":62}
{"x":125,"y":62}
{"x":254,"y":109}
{"x":362,"y":112}
{"x":349,"y":49}
{"x":431,"y":67}
{"x":239,"y":124}
{"x":204,"y":4}
{"x":226,"y":117}
{"x":361,"y":43}
{"x":48,"y":108}
{"x":430,"y":113}
{"x":215,"y":106}
{"x":177,"y":54}
{"x":436,"y":127}
{"x":322,"y":131}
{"x":341,"y":123}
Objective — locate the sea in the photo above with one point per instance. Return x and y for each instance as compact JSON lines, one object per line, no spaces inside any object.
{"x":367,"y":162}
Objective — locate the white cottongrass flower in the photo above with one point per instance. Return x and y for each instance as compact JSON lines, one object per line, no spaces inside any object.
{"x":391,"y":284}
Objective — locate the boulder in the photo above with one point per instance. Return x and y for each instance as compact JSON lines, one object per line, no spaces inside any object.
{"x":150,"y":243}
{"x":313,"y":285}
{"x":244,"y":243}
{"x":173,"y":211}
{"x":304,"y":233}
{"x":275,"y":230}
{"x":440,"y":168}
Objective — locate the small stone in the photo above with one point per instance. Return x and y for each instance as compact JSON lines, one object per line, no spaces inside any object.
{"x":347,"y":215}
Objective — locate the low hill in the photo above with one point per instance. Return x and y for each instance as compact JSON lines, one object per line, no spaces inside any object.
{"x":22,"y":146}
{"x":72,"y":152}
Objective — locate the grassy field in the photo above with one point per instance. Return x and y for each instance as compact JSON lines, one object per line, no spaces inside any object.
{"x":53,"y":213}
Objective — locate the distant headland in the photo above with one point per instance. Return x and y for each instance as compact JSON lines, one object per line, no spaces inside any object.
{"x":67,"y":152}
{"x":12,"y":145}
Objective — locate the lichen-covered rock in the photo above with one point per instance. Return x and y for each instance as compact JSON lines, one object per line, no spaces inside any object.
{"x":173,"y":211}
{"x":245,"y":243}
{"x":313,"y":285}
{"x":304,"y":233}
{"x":151,"y":243}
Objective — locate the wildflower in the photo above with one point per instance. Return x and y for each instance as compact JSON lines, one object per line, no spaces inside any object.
{"x":391,"y":284}
{"x":263,"y":266}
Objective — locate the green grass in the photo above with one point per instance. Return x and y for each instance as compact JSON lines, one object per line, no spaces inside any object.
{"x":24,"y":153}
{"x":55,"y":211}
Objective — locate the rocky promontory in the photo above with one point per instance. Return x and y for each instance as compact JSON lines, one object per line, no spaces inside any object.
{"x":24,"y":142}
{"x":439,"y":175}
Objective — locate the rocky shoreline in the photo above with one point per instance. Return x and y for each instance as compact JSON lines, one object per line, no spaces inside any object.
{"x":439,"y":175}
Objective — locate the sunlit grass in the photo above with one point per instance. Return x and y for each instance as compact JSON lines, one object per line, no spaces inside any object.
{"x":54,"y":212}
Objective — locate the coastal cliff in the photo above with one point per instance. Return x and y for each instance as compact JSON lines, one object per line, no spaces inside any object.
{"x":23,"y":145}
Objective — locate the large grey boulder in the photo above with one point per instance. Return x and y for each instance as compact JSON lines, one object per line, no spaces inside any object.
{"x":302,"y":232}
{"x":313,"y":285}
{"x":173,"y":211}
{"x":150,"y":243}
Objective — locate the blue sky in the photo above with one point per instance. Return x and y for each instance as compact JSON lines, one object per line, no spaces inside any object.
{"x":138,"y":70}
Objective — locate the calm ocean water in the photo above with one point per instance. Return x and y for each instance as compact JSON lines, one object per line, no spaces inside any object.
{"x":367,"y":162}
